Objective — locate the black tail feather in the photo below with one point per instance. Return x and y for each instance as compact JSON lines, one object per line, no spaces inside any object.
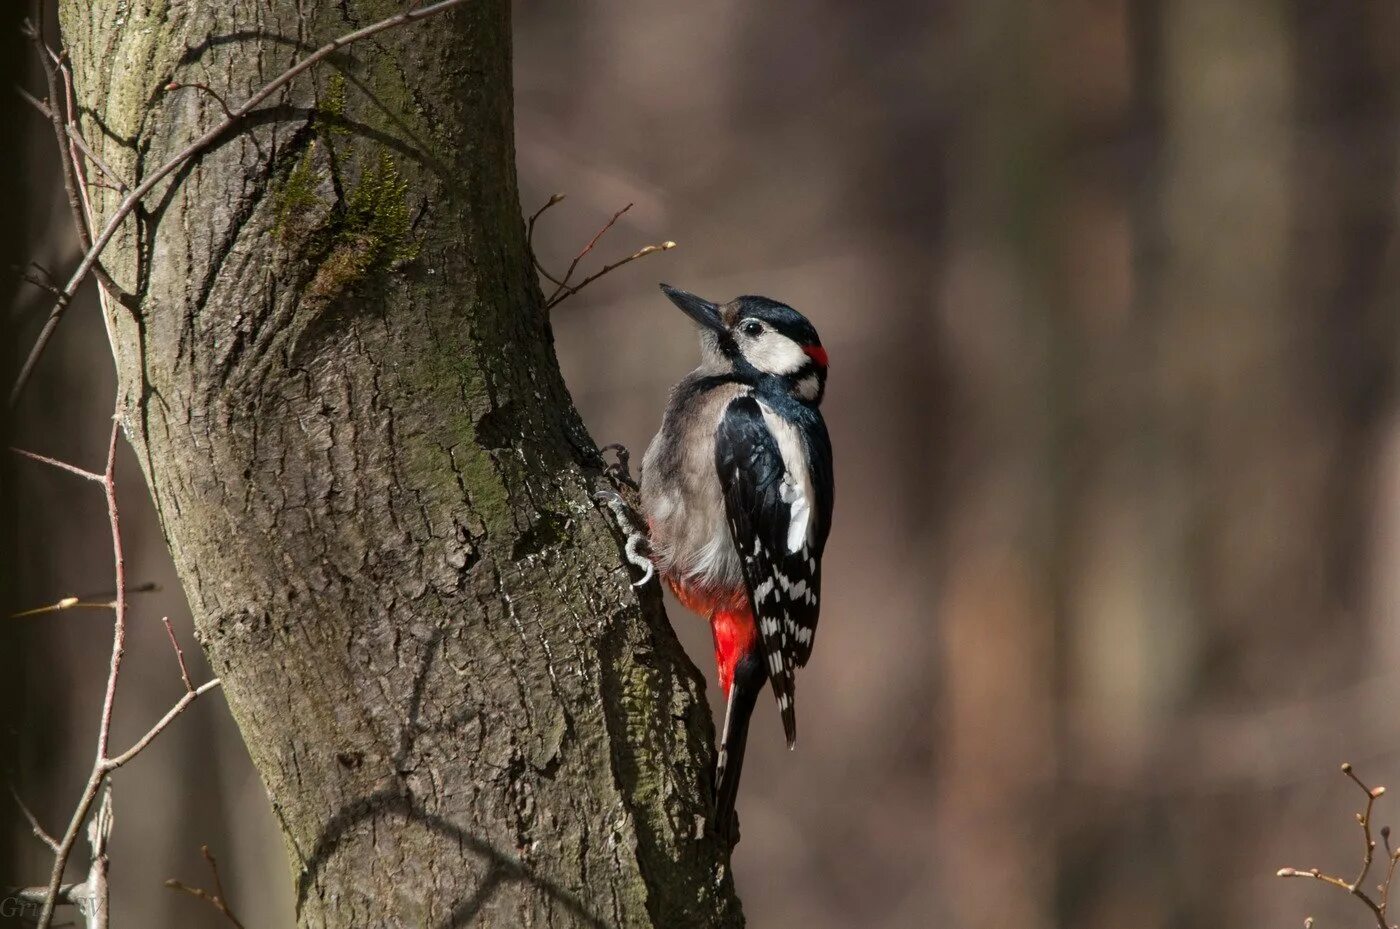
{"x":749,"y":681}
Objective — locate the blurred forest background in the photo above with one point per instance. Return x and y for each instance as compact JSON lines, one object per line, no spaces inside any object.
{"x":1111,"y":293}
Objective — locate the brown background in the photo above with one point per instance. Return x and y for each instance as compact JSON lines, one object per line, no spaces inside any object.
{"x":1110,"y":291}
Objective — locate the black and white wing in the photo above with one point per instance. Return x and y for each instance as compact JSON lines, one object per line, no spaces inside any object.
{"x":776,"y":476}
{"x":809,"y":555}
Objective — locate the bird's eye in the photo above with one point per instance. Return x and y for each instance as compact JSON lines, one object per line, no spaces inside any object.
{"x":752,"y":328}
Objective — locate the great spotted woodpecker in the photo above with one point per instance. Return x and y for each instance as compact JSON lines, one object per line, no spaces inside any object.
{"x":737,"y":492}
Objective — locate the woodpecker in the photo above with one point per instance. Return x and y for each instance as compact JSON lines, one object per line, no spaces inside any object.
{"x":737,"y":490}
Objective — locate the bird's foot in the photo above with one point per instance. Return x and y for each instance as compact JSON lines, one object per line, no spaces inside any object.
{"x":621,"y":470}
{"x":637,"y":542}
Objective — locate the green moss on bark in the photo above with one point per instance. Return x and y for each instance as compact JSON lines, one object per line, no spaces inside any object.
{"x":351,"y":242}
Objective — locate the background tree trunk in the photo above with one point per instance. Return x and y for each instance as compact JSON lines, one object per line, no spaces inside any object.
{"x":12,"y":257}
{"x":343,"y":392}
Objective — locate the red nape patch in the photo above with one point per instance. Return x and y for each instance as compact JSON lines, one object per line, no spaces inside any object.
{"x":816,"y":353}
{"x":736,"y":634}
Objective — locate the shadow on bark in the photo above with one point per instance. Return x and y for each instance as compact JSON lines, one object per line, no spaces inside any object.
{"x":501,"y":869}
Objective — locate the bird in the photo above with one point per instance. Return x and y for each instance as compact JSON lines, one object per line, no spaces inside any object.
{"x":737,"y":490}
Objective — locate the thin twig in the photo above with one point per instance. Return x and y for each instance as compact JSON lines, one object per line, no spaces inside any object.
{"x":179,"y":653}
{"x":214,"y":869}
{"x":76,"y":137}
{"x":553,"y":200}
{"x":109,"y":490}
{"x":530,"y":237}
{"x":116,"y":761}
{"x":46,"y":283}
{"x":143,"y":588}
{"x":104,"y":763}
{"x":218,"y":899}
{"x":61,"y":465}
{"x":53,"y":895}
{"x":101,"y":769}
{"x":1356,"y":888}
{"x":54,"y":70}
{"x":86,"y":602}
{"x":1394,"y":857}
{"x":563,"y":289}
{"x":640,"y":253}
{"x":134,"y":197}
{"x":563,"y":285}
{"x":1364,"y":819}
{"x":39,"y":832}
{"x":67,"y":603}
{"x":104,"y":731}
{"x":36,"y":894}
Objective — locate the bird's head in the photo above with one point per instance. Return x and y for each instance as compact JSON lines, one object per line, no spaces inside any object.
{"x":758,"y":337}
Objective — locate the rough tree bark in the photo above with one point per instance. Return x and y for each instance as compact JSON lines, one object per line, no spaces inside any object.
{"x":340,"y":382}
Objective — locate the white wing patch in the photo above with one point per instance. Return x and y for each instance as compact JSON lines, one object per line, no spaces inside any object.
{"x":796,"y":490}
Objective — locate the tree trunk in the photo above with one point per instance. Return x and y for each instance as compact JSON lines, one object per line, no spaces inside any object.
{"x":341,"y":385}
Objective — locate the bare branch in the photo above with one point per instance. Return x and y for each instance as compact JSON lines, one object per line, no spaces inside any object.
{"x":1364,"y":819}
{"x":39,"y":831}
{"x":1355,"y":888}
{"x":109,"y":596}
{"x":111,"y":764}
{"x":96,"y":890}
{"x":134,"y":197}
{"x":640,"y":253}
{"x":45,"y":283}
{"x":109,"y":490}
{"x":53,"y":893}
{"x":530,"y":237}
{"x":218,"y":899}
{"x":101,"y":769}
{"x":61,"y":465}
{"x":99,"y":765}
{"x":103,"y":764}
{"x":563,"y":285}
{"x":553,"y":200}
{"x":67,"y":603}
{"x":77,"y":139}
{"x":87,"y":602}
{"x":67,"y":893}
{"x":563,"y":290}
{"x":1394,"y":857}
{"x":54,"y":70}
{"x":179,"y":654}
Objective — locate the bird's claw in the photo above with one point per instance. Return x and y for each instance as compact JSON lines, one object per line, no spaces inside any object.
{"x":621,"y":470}
{"x":635,"y":539}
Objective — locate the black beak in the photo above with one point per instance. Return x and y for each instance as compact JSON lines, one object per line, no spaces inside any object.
{"x":702,"y":311}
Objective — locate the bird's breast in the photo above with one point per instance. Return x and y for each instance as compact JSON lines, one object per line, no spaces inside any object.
{"x":681,"y":494}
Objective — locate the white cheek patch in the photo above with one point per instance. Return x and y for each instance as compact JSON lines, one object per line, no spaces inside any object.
{"x":808,"y":387}
{"x":775,"y":354}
